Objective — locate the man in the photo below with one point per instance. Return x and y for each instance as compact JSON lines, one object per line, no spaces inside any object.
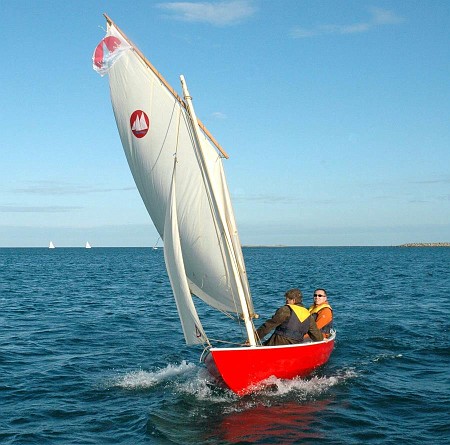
{"x":322,"y":312}
{"x":291,"y":322}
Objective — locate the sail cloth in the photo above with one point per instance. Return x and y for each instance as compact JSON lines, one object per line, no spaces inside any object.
{"x":155,"y":129}
{"x":108,"y":51}
{"x":192,"y":328}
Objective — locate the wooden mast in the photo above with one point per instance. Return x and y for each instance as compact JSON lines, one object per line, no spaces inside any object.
{"x":167,"y":85}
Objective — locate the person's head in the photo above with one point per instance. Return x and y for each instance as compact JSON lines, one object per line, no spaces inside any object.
{"x":320,"y":296}
{"x":293,"y":296}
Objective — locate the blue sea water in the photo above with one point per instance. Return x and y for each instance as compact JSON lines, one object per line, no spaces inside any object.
{"x":92,"y":351}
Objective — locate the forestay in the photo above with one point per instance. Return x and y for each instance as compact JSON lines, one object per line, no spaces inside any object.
{"x":180,"y":177}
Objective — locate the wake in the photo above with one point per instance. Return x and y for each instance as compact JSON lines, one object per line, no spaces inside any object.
{"x":190,"y":379}
{"x":147,"y":379}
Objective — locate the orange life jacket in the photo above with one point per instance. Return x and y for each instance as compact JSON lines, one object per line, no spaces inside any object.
{"x":315,"y":310}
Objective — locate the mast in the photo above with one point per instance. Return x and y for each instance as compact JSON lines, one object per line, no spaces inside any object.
{"x":242,"y":300}
{"x":166,"y":84}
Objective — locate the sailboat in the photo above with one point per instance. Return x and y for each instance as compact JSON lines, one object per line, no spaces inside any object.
{"x":177,"y":167}
{"x":51,"y":245}
{"x":87,"y":246}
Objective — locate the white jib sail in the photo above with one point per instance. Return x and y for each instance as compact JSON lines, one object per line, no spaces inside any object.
{"x":136,"y":89}
{"x":192,"y":328}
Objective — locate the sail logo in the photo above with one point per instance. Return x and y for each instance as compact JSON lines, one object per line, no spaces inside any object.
{"x":139,"y":123}
{"x":109,"y":51}
{"x":104,"y":50}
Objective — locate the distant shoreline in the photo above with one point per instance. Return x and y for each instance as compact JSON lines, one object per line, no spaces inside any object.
{"x":276,"y":246}
{"x":425,"y":245}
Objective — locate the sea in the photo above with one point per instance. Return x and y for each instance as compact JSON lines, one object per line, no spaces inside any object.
{"x":92,"y":351}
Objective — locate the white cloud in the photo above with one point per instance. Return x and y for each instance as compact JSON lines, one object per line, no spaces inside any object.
{"x":219,"y":115}
{"x":384,"y":17}
{"x":379,"y":17}
{"x":37,"y":209}
{"x":56,"y":188}
{"x":222,"y":13}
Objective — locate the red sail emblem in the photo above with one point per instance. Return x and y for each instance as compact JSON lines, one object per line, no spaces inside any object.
{"x":139,"y":123}
{"x":107,"y":46}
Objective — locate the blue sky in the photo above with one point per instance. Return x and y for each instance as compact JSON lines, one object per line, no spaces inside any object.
{"x":336,"y":117}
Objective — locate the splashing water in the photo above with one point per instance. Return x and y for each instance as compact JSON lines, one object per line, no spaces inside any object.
{"x":145,"y":379}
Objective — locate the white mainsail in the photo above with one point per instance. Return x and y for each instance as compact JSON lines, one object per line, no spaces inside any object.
{"x":51,"y":245}
{"x":87,"y":246}
{"x":189,"y":204}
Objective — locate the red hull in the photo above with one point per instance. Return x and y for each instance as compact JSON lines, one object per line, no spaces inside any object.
{"x":243,"y":369}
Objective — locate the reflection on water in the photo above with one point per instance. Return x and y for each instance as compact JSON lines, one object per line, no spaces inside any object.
{"x":193,"y":411}
{"x":291,"y":421}
{"x":238,"y":422}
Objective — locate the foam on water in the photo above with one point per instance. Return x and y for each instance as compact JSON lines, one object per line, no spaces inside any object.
{"x":146,"y":379}
{"x":190,"y":379}
{"x":201,"y":385}
{"x":307,"y":387}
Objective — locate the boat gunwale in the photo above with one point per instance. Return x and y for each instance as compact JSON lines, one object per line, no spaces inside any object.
{"x":258,"y":348}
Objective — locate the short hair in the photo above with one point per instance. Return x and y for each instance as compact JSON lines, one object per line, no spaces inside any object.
{"x":323,"y":290}
{"x":294,"y":294}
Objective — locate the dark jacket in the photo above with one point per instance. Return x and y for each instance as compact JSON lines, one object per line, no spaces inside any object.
{"x":283,"y":318}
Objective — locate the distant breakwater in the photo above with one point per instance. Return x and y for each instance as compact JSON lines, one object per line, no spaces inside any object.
{"x":425,"y":245}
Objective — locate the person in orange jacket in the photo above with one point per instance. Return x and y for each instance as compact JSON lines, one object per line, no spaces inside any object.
{"x":322,"y":312}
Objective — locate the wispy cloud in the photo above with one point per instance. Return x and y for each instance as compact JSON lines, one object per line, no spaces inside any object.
{"x":433,"y":181}
{"x":37,"y":209}
{"x":276,"y":199}
{"x":266,"y":199}
{"x":222,"y":13}
{"x":55,"y":188}
{"x":219,"y":115}
{"x":378,"y":17}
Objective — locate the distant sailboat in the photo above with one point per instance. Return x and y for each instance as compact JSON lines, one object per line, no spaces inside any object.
{"x":88,"y":246}
{"x":155,"y":247}
{"x":51,"y":245}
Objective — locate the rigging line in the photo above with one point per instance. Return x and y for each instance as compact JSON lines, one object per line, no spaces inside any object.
{"x":228,"y":342}
{"x":154,"y":246}
{"x":235,"y":318}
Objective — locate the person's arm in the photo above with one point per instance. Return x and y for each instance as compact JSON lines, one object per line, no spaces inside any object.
{"x":279,"y":317}
{"x":314,"y":332}
{"x":324,"y":317}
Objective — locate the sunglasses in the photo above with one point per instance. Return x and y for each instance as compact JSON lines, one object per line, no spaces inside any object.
{"x":318,"y":295}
